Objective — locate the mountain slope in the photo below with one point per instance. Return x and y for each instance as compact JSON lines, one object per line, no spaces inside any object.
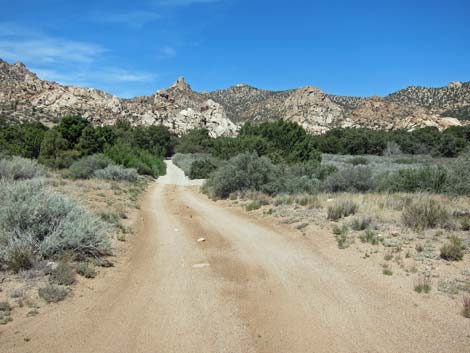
{"x":24,"y":96}
{"x":319,"y":112}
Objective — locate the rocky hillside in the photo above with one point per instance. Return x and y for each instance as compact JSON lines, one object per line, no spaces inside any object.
{"x":317,"y":111}
{"x":24,"y":96}
{"x":452,"y":100}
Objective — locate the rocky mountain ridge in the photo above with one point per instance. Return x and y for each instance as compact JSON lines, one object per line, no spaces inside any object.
{"x":318,"y":111}
{"x":23,"y":96}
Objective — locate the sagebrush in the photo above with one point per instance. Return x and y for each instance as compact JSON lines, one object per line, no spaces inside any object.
{"x":36,"y":223}
{"x":18,"y":168}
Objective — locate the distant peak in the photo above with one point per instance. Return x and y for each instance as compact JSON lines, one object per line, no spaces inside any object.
{"x":455,"y":84}
{"x":181,"y":84}
{"x":19,"y":64}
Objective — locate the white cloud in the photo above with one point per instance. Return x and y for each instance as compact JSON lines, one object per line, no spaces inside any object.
{"x":85,"y":77}
{"x":132,"y":18}
{"x":48,"y":50}
{"x":72,"y":62}
{"x":21,"y":44}
{"x":167,"y":52}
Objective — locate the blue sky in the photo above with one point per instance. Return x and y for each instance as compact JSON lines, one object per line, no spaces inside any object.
{"x":131,"y":48}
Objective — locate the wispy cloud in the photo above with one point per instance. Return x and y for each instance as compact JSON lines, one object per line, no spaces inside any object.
{"x":86,"y":77}
{"x":72,"y":62}
{"x":20,"y":44}
{"x":135,"y":19}
{"x":167,"y":52}
{"x":48,"y":50}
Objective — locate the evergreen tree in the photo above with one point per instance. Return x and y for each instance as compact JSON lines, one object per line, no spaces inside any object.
{"x":53,"y":149}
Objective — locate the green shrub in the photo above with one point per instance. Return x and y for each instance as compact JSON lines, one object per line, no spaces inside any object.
{"x":53,"y":293}
{"x":425,"y":213}
{"x":280,"y":140}
{"x":202,"y":169}
{"x":244,"y":172}
{"x":130,"y":157}
{"x":86,"y":270}
{"x":355,"y":179}
{"x":18,"y":168}
{"x":453,"y":250}
{"x":85,"y":167}
{"x":46,"y":224}
{"x":449,"y":146}
{"x":54,"y":150}
{"x":62,"y":274}
{"x":341,"y":209}
{"x":23,"y":139}
{"x":116,"y":172}
{"x":195,"y":141}
{"x":156,"y":139}
{"x":71,"y":128}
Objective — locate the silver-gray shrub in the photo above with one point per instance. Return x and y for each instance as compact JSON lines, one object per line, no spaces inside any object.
{"x":116,"y":172}
{"x":458,"y":181}
{"x":18,"y":168}
{"x":356,"y":179}
{"x":43,"y":224}
{"x":85,"y":167}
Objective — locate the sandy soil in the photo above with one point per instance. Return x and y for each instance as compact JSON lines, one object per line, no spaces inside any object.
{"x":251,"y":286}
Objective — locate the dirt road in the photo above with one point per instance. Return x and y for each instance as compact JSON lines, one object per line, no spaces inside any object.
{"x":249,"y":287}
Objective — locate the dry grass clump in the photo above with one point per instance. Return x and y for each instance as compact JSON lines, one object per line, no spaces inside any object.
{"x":465,"y":224}
{"x":341,"y":209}
{"x":466,"y":306}
{"x":341,"y":236}
{"x":386,"y":270}
{"x":453,"y":250}
{"x":5,"y":313}
{"x":422,"y":284}
{"x":86,"y":270}
{"x":425,"y":213}
{"x":371,"y":237}
{"x":62,"y":274}
{"x":361,"y":223}
{"x":53,"y":293}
